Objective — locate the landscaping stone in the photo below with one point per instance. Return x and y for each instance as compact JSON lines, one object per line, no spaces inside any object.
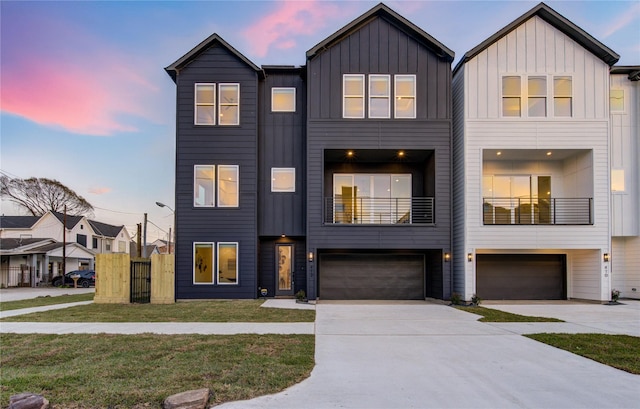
{"x":28,"y":400}
{"x":196,"y":399}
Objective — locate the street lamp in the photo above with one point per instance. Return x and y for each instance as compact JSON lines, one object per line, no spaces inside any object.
{"x":160,"y":204}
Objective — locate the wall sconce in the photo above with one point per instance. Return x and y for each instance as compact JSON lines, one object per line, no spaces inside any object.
{"x":310,"y":257}
{"x":605,"y":257}
{"x":447,"y":257}
{"x":469,"y":257}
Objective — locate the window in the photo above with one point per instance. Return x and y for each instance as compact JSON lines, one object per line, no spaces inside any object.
{"x":617,"y":180}
{"x":379,"y":96}
{"x":521,"y":199}
{"x":227,"y":263}
{"x":562,"y":96}
{"x":617,"y":100}
{"x":537,"y":96}
{"x":107,"y":246}
{"x":205,"y":109}
{"x":229,"y":97}
{"x":204,"y":180}
{"x":511,"y":96}
{"x":81,"y":239}
{"x":121,"y":247}
{"x":203,"y":263}
{"x":353,"y":92}
{"x":283,"y":99}
{"x":405,"y":97}
{"x":94,"y":242}
{"x":228,"y":186}
{"x":283,"y":179}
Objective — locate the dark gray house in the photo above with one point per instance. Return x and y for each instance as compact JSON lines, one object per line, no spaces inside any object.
{"x":333,"y":178}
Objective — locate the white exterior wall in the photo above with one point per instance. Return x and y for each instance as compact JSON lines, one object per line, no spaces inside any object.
{"x":625,"y":266}
{"x":537,"y":48}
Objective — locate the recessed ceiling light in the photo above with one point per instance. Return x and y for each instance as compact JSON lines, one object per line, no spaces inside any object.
{"x":498,"y":153}
{"x":549,"y":153}
{"x":350,"y":153}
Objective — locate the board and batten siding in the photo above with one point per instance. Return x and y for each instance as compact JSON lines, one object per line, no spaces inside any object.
{"x":625,"y":155}
{"x":536,"y":47}
{"x":216,"y":145}
{"x":625,"y":266}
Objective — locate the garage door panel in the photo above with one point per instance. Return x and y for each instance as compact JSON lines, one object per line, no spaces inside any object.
{"x":371,"y":276}
{"x":521,"y":276}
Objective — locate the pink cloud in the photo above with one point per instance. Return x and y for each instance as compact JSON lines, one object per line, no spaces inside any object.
{"x":291,"y":19}
{"x":623,"y":20}
{"x":99,"y":190}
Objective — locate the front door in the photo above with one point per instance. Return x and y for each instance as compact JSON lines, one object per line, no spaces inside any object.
{"x":284,"y":268}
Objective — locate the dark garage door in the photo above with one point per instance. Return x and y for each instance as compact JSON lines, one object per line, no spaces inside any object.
{"x":521,"y":276}
{"x":371,"y":277}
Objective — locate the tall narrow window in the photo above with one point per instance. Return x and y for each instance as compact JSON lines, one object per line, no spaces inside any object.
{"x":283,"y":179}
{"x":562,"y":96}
{"x":511,"y":96}
{"x":229,"y":100}
{"x":205,"y":104}
{"x":228,"y":186}
{"x":537,"y":98}
{"x":203,"y":263}
{"x":353,"y":96}
{"x":405,"y":96}
{"x":227,"y":263}
{"x":617,"y":101}
{"x":617,"y":180}
{"x":379,"y":96}
{"x":203,"y":185}
{"x":283,"y":99}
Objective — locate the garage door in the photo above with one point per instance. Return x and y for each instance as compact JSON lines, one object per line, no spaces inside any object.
{"x":521,"y":276}
{"x":371,"y":277}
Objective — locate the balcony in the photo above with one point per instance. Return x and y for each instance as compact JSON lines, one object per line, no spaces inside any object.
{"x":532,"y":211}
{"x":379,"y":211}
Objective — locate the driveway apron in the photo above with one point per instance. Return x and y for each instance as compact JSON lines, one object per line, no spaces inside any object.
{"x":423,"y":355}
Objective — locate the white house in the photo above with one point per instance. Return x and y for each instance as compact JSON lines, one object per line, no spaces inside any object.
{"x":625,"y":180}
{"x":531,"y":163}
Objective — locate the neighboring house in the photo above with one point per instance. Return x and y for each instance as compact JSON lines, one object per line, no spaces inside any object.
{"x":624,"y":106}
{"x":332,"y":178}
{"x":531,"y":153}
{"x":149,"y":248}
{"x":30,"y":261}
{"x":163,"y":246}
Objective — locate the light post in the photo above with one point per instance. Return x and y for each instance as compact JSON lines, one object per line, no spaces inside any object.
{"x":160,"y":204}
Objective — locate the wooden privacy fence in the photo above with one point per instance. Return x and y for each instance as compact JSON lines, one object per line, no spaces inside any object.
{"x":121,"y":280}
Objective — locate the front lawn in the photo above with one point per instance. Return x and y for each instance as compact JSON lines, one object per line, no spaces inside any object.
{"x":491,"y":315}
{"x":140,"y":371}
{"x":42,"y":301}
{"x":195,"y":311}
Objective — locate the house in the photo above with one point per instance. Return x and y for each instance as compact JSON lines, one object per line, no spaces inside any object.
{"x":624,"y":106}
{"x":333,"y":178}
{"x":531,"y":152}
{"x":149,"y":249}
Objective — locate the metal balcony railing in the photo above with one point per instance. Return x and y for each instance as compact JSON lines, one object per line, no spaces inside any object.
{"x":554,"y":211}
{"x":392,"y":211}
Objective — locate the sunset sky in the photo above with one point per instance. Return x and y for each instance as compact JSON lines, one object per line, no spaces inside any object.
{"x":85,"y":99}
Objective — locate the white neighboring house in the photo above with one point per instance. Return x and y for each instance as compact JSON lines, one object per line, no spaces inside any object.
{"x":531,"y":163}
{"x":625,"y":180}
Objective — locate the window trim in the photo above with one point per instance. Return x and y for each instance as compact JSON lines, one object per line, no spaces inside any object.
{"x":524,"y":97}
{"x":276,"y":169}
{"x":213,"y":185}
{"x":397,"y":97}
{"x":273,"y":109}
{"x":543,"y":96}
{"x":213,"y":266}
{"x":217,"y":257}
{"x":236,"y":104}
{"x":504,"y":96}
{"x":555,"y":96}
{"x":217,"y":188}
{"x":345,"y":95}
{"x":387,"y":96}
{"x":196,"y":104}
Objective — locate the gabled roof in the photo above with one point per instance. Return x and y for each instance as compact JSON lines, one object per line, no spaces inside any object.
{"x":556,"y":20}
{"x":18,"y":222}
{"x":385,"y":12}
{"x":71,"y":220}
{"x":12,"y":243}
{"x":174,"y":69}
{"x":632,"y":71}
{"x":104,"y":229}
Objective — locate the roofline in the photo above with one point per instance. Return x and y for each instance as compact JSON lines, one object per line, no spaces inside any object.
{"x":633,"y":71}
{"x":558,"y":21}
{"x":174,"y":69}
{"x":382,"y":10}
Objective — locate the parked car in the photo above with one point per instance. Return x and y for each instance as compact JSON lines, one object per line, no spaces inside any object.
{"x":87,"y":279}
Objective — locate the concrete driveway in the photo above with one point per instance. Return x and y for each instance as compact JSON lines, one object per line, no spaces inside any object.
{"x":24,"y":293}
{"x":423,"y":355}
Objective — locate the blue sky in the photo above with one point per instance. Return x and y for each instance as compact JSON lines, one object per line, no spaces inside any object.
{"x":85,"y":99}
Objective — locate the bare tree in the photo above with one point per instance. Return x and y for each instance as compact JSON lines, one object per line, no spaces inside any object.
{"x":40,"y":195}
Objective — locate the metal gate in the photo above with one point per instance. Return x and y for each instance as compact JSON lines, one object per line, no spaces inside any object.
{"x":140,"y":281}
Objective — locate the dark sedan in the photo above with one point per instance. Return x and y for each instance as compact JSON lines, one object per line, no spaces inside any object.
{"x":87,"y":279}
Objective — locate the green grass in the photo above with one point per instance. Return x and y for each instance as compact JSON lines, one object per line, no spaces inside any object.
{"x":42,"y":301}
{"x":140,"y":371}
{"x":491,"y":315}
{"x":196,"y":311}
{"x":618,"y":351}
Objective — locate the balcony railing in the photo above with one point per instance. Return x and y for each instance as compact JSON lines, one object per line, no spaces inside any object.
{"x":391,"y":211}
{"x":555,"y":211}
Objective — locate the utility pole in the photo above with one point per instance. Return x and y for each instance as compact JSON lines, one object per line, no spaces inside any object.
{"x":64,"y":242}
{"x":139,"y":240}
{"x":144,"y":239}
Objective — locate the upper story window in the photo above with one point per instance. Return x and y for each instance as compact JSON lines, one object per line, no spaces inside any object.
{"x":379,"y":96}
{"x":353,"y":96}
{"x":205,"y":182}
{"x":405,"y":96}
{"x":283,"y":99}
{"x":283,"y":179}
{"x":535,"y":91}
{"x":617,"y":180}
{"x":227,"y":109}
{"x":616,"y":104}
